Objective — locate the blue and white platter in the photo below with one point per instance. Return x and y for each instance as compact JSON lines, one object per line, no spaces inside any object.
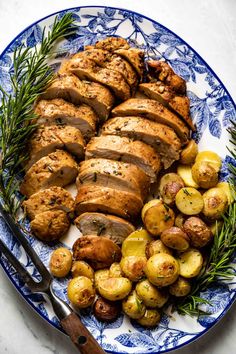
{"x":212,"y":109}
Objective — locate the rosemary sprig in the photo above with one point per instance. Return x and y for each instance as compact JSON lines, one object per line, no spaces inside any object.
{"x":30,"y":75}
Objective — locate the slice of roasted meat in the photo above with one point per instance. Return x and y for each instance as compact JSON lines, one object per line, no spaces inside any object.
{"x":47,"y":139}
{"x":60,"y":112}
{"x":107,"y":200}
{"x":154,"y":111}
{"x":135,"y":57}
{"x":113,"y":174}
{"x":53,"y":198}
{"x":87,"y":69}
{"x":163,"y":94}
{"x":159,"y":136}
{"x":126,"y":150}
{"x":98,"y":251}
{"x":110,"y":44}
{"x":160,"y":70}
{"x":55,"y":169}
{"x":113,"y":227}
{"x":72,"y":89}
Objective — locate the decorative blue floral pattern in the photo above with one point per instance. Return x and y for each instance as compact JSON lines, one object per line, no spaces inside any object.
{"x":212,"y":110}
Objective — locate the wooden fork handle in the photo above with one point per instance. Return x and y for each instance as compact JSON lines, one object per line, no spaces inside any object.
{"x":80,"y":336}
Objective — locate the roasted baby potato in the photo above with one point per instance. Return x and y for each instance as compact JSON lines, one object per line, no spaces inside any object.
{"x":179,"y":220}
{"x":114,"y":289}
{"x":105,"y":310}
{"x":133,"y":306}
{"x":99,"y":252}
{"x":211,"y":157}
{"x":189,"y":153}
{"x":115,"y":271}
{"x":204,"y":174}
{"x":185,"y":172}
{"x":82,"y":268}
{"x":101,"y":274}
{"x":181,"y":287}
{"x":169,"y":186}
{"x":150,"y":295}
{"x":158,"y":218}
{"x":156,"y":246}
{"x":226,"y":188}
{"x":175,"y":238}
{"x":133,"y":267}
{"x":215,"y":203}
{"x":135,"y":243}
{"x":162,"y":269}
{"x":190,"y":263}
{"x":189,"y":201}
{"x":81,"y":292}
{"x":151,"y":318}
{"x":199,"y":233}
{"x":60,"y":262}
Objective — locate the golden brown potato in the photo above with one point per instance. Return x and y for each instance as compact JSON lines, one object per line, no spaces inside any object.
{"x":228,"y":191}
{"x":101,"y":274}
{"x":190,"y":263}
{"x":99,"y":252}
{"x":105,"y":310}
{"x":133,"y":306}
{"x":179,"y":220}
{"x":133,"y":267}
{"x":135,"y":243}
{"x":114,"y":289}
{"x":82,"y":268}
{"x":211,"y":157}
{"x":158,"y":218}
{"x":151,"y":318}
{"x":169,"y":186}
{"x":189,"y":201}
{"x":175,"y":238}
{"x":189,"y":153}
{"x":81,"y":292}
{"x":204,"y":174}
{"x":115,"y":271}
{"x":150,"y":295}
{"x":156,"y":246}
{"x":60,"y":262}
{"x":185,"y":172}
{"x":199,"y":233}
{"x":215,"y":203}
{"x":181,"y":287}
{"x":162,"y":269}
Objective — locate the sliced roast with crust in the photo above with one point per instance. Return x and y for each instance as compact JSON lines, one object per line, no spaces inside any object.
{"x":47,"y":139}
{"x":126,"y":150}
{"x":87,"y":69}
{"x":163,"y":94}
{"x":113,"y":174}
{"x":60,"y":112}
{"x":110,"y":44}
{"x":159,"y":136}
{"x":135,"y":57}
{"x":55,"y":169}
{"x":113,"y":227}
{"x":154,"y":111}
{"x":107,"y":200}
{"x":72,"y":89}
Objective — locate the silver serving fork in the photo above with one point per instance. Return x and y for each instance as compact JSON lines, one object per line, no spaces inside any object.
{"x":70,"y":322}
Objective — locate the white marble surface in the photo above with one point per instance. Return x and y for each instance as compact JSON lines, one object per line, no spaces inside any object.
{"x":209,"y":26}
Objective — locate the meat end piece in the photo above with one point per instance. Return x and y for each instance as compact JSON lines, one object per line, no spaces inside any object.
{"x":54,"y":198}
{"x":50,"y":225}
{"x":113,"y":174}
{"x":110,"y":43}
{"x":70,"y":88}
{"x":48,"y":139}
{"x":159,"y":136}
{"x":107,"y":200}
{"x":60,"y":112}
{"x":110,"y":226}
{"x":124,"y":149}
{"x":55,"y":169}
{"x":154,"y":111}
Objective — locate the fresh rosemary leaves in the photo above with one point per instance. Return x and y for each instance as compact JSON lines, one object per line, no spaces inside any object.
{"x":29,"y":77}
